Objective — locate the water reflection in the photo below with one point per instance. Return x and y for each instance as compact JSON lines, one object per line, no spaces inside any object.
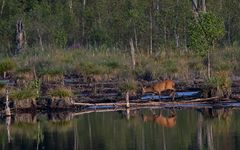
{"x":212,"y":122}
{"x":205,"y":128}
{"x":168,"y":121}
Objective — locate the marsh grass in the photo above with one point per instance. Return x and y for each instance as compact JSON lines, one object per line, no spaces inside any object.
{"x":7,"y":65}
{"x":60,"y":92}
{"x":219,"y":83}
{"x":168,"y":63}
{"x":24,"y":94}
{"x":128,"y":85}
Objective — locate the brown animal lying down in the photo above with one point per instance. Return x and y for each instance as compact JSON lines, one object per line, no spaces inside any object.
{"x":168,"y":122}
{"x":160,"y":87}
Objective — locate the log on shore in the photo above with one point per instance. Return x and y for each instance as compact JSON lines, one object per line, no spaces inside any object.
{"x":154,"y":103}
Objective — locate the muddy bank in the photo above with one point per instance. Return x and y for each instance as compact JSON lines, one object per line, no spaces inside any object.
{"x":108,"y":93}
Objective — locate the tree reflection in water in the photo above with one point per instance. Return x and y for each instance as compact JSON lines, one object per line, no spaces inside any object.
{"x":210,"y":120}
{"x":125,"y":129}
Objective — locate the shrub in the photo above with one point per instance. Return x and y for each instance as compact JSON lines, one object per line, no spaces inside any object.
{"x":7,"y":65}
{"x":220,"y":84}
{"x":128,"y":85}
{"x":23,"y":94}
{"x":60,"y":92}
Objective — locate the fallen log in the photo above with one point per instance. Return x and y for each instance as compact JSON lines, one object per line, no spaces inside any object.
{"x":140,"y":103}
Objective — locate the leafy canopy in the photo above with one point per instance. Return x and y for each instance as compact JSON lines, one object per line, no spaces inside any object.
{"x":204,"y":31}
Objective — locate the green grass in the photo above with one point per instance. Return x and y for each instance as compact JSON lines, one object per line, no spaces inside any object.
{"x":60,"y":92}
{"x":7,"y":64}
{"x":167,"y":63}
{"x":23,"y":94}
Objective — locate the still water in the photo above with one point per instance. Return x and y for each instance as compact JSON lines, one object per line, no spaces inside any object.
{"x":145,"y":129}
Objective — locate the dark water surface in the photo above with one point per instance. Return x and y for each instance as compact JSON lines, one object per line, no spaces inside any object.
{"x":145,"y":129}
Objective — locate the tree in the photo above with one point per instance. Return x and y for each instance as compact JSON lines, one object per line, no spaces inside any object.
{"x":203,"y":33}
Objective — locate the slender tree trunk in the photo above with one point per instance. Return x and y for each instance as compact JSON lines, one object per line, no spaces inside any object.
{"x":204,"y":9}
{"x":195,"y":8}
{"x":135,"y":36}
{"x":132,"y":54}
{"x":7,"y":109}
{"x":209,"y":64}
{"x":70,"y":6}
{"x":221,"y":4}
{"x":165,"y":31}
{"x":83,"y":21}
{"x":185,"y":34}
{"x":151,"y":32}
{"x":3,"y":4}
{"x":229,"y":30}
{"x":4,"y":74}
{"x":40,"y":40}
{"x":20,"y":37}
{"x":127,"y":99}
{"x":176,"y":26}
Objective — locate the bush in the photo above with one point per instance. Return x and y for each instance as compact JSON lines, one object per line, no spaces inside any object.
{"x":24,"y":94}
{"x":61,"y":92}
{"x":7,"y":65}
{"x":219,"y":84}
{"x":128,"y":85}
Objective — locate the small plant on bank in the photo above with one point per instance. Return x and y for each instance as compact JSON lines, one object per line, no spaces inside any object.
{"x":61,"y":92}
{"x":219,"y":84}
{"x":2,"y":88}
{"x":128,"y":85}
{"x":52,"y":74}
{"x":24,"y":76}
{"x":6,"y":65}
{"x":24,"y":94}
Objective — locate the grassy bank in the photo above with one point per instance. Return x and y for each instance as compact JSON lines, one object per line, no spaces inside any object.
{"x":34,"y":67}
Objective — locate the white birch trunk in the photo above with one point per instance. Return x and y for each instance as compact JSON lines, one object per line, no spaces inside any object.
{"x":132,"y":54}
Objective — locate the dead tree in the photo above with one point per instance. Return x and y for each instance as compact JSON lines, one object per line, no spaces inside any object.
{"x":20,"y":36}
{"x":132,"y":54}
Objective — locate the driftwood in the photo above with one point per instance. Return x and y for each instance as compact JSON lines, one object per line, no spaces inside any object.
{"x":152,"y":103}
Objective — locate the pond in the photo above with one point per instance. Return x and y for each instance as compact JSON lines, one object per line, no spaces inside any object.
{"x":141,"y":129}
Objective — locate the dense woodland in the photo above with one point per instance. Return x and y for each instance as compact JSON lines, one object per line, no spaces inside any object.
{"x":128,"y":40}
{"x":152,"y":24}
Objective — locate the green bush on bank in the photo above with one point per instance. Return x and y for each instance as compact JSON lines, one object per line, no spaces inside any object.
{"x":7,"y":65}
{"x":24,"y":94}
{"x":61,"y":92}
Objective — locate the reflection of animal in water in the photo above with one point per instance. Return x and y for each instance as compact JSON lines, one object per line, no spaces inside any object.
{"x":160,"y":87}
{"x":168,"y":122}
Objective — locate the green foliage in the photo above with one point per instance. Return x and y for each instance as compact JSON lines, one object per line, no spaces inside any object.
{"x":128,"y":85}
{"x":23,"y":94}
{"x":220,"y":82}
{"x":170,"y":67}
{"x":7,"y":65}
{"x":60,"y":92}
{"x":60,"y":37}
{"x":204,"y":30}
{"x":52,"y":71}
